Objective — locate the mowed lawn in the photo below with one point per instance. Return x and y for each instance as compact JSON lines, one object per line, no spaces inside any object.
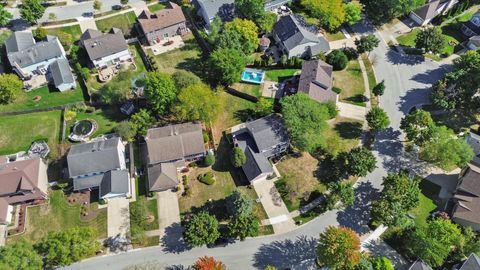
{"x":125,"y":22}
{"x":73,"y":30}
{"x":107,"y":120}
{"x":19,"y":131}
{"x":279,"y":75}
{"x":156,"y":7}
{"x":58,"y":215}
{"x":48,"y":98}
{"x":350,"y":80}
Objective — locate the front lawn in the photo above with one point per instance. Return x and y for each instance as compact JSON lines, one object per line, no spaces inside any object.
{"x":350,"y":80}
{"x":156,"y":7}
{"x":125,"y":22}
{"x":73,"y":30}
{"x":58,"y":216}
{"x":19,"y":131}
{"x":279,"y":75}
{"x":107,"y":119}
{"x":49,"y":97}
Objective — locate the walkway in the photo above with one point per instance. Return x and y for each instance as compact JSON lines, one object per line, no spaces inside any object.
{"x":118,"y":217}
{"x":348,"y":110}
{"x":87,"y":23}
{"x":277,"y":212}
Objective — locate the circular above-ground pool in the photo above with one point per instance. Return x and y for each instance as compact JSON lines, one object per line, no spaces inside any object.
{"x":83,"y":129}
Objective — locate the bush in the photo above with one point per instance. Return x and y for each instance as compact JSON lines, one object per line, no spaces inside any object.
{"x":238,"y":157}
{"x":40,"y":33}
{"x":337,"y":90}
{"x":206,"y":178}
{"x":206,"y":137}
{"x":187,"y":192}
{"x":351,"y":53}
{"x":337,"y":59}
{"x":209,"y":160}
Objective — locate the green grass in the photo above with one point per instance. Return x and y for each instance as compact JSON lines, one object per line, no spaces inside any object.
{"x":125,"y":22}
{"x":59,"y":217}
{"x":334,"y":36}
{"x":151,"y":211}
{"x":73,"y":30}
{"x":106,"y":119}
{"x":423,"y":210}
{"x":49,"y":98}
{"x":19,"y":131}
{"x":248,"y":88}
{"x":156,"y":7}
{"x":4,"y":34}
{"x":279,"y":75}
{"x":350,"y":80}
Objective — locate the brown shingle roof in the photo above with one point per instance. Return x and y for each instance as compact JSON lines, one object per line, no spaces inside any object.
{"x":468,"y":196}
{"x":164,"y":18}
{"x":316,"y":81}
{"x":99,"y":46}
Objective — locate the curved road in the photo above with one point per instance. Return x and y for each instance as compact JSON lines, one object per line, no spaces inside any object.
{"x":408,"y":82}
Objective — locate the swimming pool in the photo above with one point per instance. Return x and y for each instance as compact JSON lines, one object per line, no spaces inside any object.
{"x":253,"y":76}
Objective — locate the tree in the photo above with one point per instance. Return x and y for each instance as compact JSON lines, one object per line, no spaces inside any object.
{"x":66,"y":39}
{"x":239,"y":204}
{"x":69,"y":115}
{"x":382,"y":263}
{"x":267,"y":22}
{"x":31,"y":11}
{"x":227,"y":65}
{"x":198,"y":102}
{"x":377,"y":119}
{"x":367,"y":43}
{"x":243,"y":227}
{"x":238,"y":157}
{"x":337,"y":59}
{"x":124,"y":2}
{"x":430,"y":39}
{"x":418,"y":126}
{"x":201,"y":229}
{"x":126,"y":130}
{"x":360,"y":161}
{"x":97,"y":5}
{"x":331,"y":13}
{"x":343,"y":192}
{"x":247,"y":31}
{"x":183,"y":78}
{"x":111,"y":93}
{"x":338,"y":248}
{"x":230,"y":40}
{"x":5,"y":16}
{"x":269,"y":267}
{"x":52,"y":17}
{"x":353,"y":12}
{"x":208,"y":263}
{"x":400,"y":194}
{"x":433,"y":243}
{"x":68,"y":246}
{"x":160,"y":92}
{"x":252,"y":10}
{"x":364,"y":264}
{"x":141,"y":122}
{"x":263,"y":107}
{"x":215,"y":29}
{"x":20,"y":256}
{"x":10,"y":87}
{"x":383,"y":11}
{"x":467,"y":243}
{"x":305,"y":120}
{"x":379,"y":89}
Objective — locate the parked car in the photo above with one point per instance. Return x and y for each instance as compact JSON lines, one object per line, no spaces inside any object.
{"x":116,"y":7}
{"x":87,"y":14}
{"x":220,"y":242}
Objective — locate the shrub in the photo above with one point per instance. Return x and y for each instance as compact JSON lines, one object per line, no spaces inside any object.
{"x":351,"y":53}
{"x":238,"y":157}
{"x":185,"y":180}
{"x":40,"y":33}
{"x":337,"y":59}
{"x":187,"y":192}
{"x":206,"y":178}
{"x":209,"y":160}
{"x":337,"y":90}
{"x":206,"y":137}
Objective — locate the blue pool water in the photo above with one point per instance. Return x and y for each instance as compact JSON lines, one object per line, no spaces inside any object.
{"x":253,"y":76}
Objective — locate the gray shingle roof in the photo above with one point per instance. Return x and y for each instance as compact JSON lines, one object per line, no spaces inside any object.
{"x":223,"y":8}
{"x":174,"y":142}
{"x":472,"y":263}
{"x":98,"y":156}
{"x":99,"y":46}
{"x":268,"y":132}
{"x":115,"y":182}
{"x":474,"y":27}
{"x":474,"y":141}
{"x":468,"y":196}
{"x":419,"y":265}
{"x":292,"y":34}
{"x":162,"y":176}
{"x":19,"y":41}
{"x":61,"y":72}
{"x":93,"y":181}
{"x":34,"y":53}
{"x":256,"y":164}
{"x":428,"y":10}
{"x":316,"y":81}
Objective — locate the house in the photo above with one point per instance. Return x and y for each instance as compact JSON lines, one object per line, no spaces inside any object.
{"x":474,"y":43}
{"x":105,"y":49}
{"x":261,"y":140}
{"x":472,"y":263}
{"x":155,"y":27}
{"x":425,"y":14}
{"x":472,"y":27}
{"x":100,"y":165}
{"x":29,"y":58}
{"x":316,"y":80}
{"x":62,"y":76}
{"x":474,"y":141}
{"x":294,"y":40}
{"x":466,"y":210}
{"x":419,"y":265}
{"x":167,"y":149}
{"x":21,"y":182}
{"x":209,"y":9}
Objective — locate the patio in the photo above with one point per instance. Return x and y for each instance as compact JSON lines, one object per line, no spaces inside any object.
{"x":166,"y":45}
{"x":107,"y":73}
{"x":35,"y":82}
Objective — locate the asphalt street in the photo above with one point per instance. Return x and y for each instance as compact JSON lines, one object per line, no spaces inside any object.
{"x":408,"y":81}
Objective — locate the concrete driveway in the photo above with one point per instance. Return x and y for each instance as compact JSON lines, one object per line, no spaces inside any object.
{"x":351,"y":111}
{"x":118,"y":217}
{"x":87,"y":23}
{"x":168,"y":216}
{"x":274,"y":206}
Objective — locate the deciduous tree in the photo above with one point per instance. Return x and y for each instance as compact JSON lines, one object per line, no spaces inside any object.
{"x":10,"y":87}
{"x":201,"y":229}
{"x":252,"y":10}
{"x":337,"y":59}
{"x":208,"y":263}
{"x":243,"y":226}
{"x":367,"y":43}
{"x":20,"y":256}
{"x":360,"y":161}
{"x":353,"y":12}
{"x":126,"y":130}
{"x":418,"y":125}
{"x":338,"y":248}
{"x":5,"y":16}
{"x":160,"y":92}
{"x":382,"y":263}
{"x":198,"y":102}
{"x":227,"y":65}
{"x":141,"y":121}
{"x":377,"y":119}
{"x":331,"y":13}
{"x":31,"y":11}
{"x":248,"y":33}
{"x":183,"y":78}
{"x":383,"y":11}
{"x":430,"y":39}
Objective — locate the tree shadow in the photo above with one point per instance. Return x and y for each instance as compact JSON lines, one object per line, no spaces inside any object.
{"x":197,"y":66}
{"x":357,"y":216}
{"x":413,"y":98}
{"x":429,"y":76}
{"x":223,"y":164}
{"x":359,"y":99}
{"x":244,"y":115}
{"x":397,"y":58}
{"x":349,"y":130}
{"x":173,"y":241}
{"x":287,"y":253}
{"x":379,"y":248}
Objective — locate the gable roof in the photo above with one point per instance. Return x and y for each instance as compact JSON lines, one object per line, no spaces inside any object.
{"x":474,"y":141}
{"x":475,"y":40}
{"x":292,"y":34}
{"x":474,"y":27}
{"x":174,"y":142}
{"x":223,"y":8}
{"x":162,"y":176}
{"x":25,"y":52}
{"x":256,"y":163}
{"x":472,"y":263}
{"x":114,"y":182}
{"x":267,"y":132}
{"x":99,"y":46}
{"x":428,"y":10}
{"x":61,"y":72}
{"x":94,"y":157}
{"x":467,"y":196}
{"x":316,"y":81}
{"x":419,"y":265}
{"x":164,"y":18}
{"x":19,"y":176}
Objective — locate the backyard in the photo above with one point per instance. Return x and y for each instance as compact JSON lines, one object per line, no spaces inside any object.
{"x":19,"y":131}
{"x":279,"y":75}
{"x":124,"y":21}
{"x":57,"y":216}
{"x":107,"y":119}
{"x":43,"y":97}
{"x":350,"y":80}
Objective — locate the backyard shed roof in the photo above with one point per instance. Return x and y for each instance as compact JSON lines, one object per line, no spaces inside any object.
{"x":99,"y":46}
{"x":61,"y":72}
{"x":150,"y":22}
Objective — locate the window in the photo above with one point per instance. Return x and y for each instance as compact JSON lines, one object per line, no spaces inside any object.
{"x":476,"y":21}
{"x":165,"y":35}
